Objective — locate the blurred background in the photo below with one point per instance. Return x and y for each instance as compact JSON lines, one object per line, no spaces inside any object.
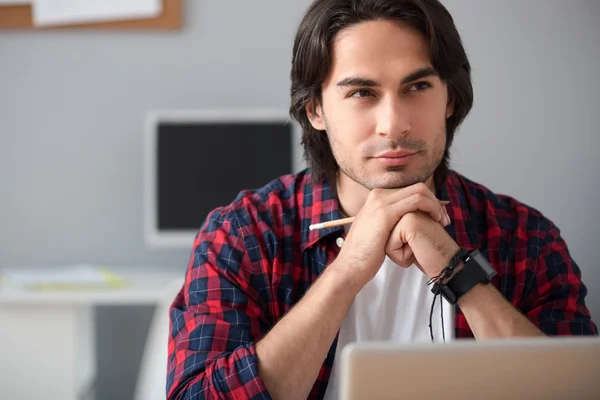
{"x":73,"y":105}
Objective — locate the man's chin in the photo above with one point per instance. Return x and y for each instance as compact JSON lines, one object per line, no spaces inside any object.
{"x":386,"y":179}
{"x":395,"y":180}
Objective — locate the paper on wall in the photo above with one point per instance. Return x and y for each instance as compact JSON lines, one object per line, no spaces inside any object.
{"x":64,"y":12}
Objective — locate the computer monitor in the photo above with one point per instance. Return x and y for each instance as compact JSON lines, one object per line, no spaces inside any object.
{"x":525,"y":369}
{"x":197,"y":160}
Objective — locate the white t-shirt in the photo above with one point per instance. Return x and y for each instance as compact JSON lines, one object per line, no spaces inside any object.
{"x":395,"y":306}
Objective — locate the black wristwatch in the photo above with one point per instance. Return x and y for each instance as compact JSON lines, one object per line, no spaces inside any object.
{"x":476,"y":270}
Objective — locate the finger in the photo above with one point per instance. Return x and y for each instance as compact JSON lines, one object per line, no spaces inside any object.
{"x":405,"y":258}
{"x":395,"y":241}
{"x":399,"y":251}
{"x":389,"y":196}
{"x":419,"y":202}
{"x":393,"y":196}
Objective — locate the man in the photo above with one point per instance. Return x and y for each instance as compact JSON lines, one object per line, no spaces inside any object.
{"x":379,"y":87}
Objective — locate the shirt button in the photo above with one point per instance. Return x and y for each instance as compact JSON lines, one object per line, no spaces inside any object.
{"x":339,"y":241}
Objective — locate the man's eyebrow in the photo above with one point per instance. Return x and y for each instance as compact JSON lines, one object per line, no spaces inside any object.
{"x":418,"y":74}
{"x":357,"y":81}
{"x":366,"y":82}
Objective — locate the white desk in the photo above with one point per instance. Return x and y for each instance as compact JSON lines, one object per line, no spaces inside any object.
{"x":47,"y":339}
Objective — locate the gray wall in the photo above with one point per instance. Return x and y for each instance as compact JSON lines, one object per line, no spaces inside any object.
{"x":72,"y":103}
{"x":534,"y":130}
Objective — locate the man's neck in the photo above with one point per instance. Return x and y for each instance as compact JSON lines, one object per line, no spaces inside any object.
{"x":352,"y":195}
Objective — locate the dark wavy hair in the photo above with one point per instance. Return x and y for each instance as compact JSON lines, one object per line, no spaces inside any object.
{"x":311,"y":63}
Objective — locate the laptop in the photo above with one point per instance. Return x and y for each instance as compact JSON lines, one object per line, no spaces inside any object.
{"x":540,"y":368}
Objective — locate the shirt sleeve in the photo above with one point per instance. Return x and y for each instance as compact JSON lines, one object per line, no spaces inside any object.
{"x":555,"y":302}
{"x":216,"y":318}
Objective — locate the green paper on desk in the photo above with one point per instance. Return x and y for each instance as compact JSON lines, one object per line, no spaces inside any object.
{"x":73,"y":277}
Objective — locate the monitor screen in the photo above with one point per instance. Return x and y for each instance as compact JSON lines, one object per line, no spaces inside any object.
{"x":203,"y":166}
{"x":195,"y":165}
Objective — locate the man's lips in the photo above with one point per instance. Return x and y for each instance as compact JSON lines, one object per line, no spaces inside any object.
{"x":395,"y":158}
{"x":395,"y":154}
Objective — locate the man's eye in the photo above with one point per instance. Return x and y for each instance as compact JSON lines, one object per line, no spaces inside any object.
{"x":361,"y":93}
{"x":417,"y":87}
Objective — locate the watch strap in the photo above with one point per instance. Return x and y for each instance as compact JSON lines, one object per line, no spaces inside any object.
{"x":466,"y":279}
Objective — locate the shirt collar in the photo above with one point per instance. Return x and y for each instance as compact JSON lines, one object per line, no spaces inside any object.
{"x":319,"y":204}
{"x":453,"y":191}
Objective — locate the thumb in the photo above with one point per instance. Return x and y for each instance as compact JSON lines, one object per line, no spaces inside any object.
{"x":398,"y":251}
{"x":404,"y":257}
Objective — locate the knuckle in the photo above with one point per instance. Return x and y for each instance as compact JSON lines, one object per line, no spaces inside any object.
{"x":417,"y":198}
{"x":422,"y":188}
{"x":375,"y":194}
{"x":411,"y":218}
{"x":376,"y":201}
{"x":379,"y":211}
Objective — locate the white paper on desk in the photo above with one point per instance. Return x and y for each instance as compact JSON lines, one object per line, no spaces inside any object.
{"x":79,"y":274}
{"x":64,"y":12}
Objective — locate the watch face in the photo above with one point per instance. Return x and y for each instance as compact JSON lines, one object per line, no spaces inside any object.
{"x":490,"y":272}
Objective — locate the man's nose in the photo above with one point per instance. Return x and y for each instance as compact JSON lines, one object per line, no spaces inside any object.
{"x":393,"y":119}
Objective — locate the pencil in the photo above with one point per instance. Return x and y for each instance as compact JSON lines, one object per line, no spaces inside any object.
{"x":345,"y":221}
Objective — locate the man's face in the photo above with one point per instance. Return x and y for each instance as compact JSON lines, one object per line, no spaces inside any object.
{"x":383,"y":106}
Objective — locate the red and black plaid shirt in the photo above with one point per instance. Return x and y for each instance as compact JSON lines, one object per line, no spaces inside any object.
{"x":255,"y":258}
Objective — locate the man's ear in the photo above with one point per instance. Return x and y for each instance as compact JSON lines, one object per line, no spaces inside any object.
{"x":314,"y":112}
{"x":450,"y":108}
